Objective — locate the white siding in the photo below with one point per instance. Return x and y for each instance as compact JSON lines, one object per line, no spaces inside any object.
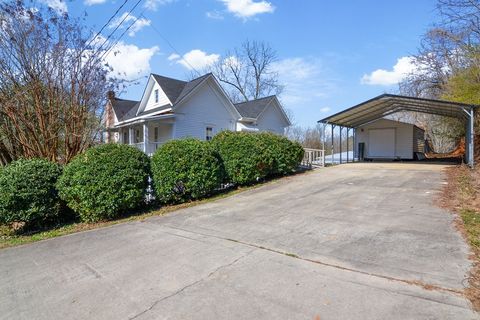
{"x":164,"y":132}
{"x":271,"y":120}
{"x":162,"y":98}
{"x":205,"y":108}
{"x":403,"y":137}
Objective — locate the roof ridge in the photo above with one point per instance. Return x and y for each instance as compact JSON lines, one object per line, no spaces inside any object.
{"x":186,"y":90}
{"x":120,"y":99}
{"x":258,"y":99}
{"x":165,"y":77}
{"x":204,"y":75}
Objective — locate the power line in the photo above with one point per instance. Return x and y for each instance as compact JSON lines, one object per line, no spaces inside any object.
{"x":118,"y":26}
{"x":172,"y":47}
{"x":121,"y":36}
{"x":108,"y":22}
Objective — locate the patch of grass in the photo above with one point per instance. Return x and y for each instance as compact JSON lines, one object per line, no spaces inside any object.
{"x":471,"y":221}
{"x":11,"y":239}
{"x":461,"y":195}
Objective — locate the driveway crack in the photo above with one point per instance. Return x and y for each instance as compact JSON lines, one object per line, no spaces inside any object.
{"x":179,"y":291}
{"x":426,"y":286}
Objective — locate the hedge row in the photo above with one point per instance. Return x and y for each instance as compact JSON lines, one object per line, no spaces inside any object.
{"x":109,"y":180}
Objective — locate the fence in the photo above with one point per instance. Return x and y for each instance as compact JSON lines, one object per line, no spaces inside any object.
{"x":313,"y":158}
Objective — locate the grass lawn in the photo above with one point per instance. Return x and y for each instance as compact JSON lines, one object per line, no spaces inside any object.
{"x":462,"y":194}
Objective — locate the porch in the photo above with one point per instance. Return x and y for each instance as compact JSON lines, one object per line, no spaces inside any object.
{"x":146,"y":135}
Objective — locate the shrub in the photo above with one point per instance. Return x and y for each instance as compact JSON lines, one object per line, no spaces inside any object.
{"x":246,"y":157}
{"x":105,"y":181}
{"x":287,"y":155}
{"x":28,"y":194}
{"x":186,"y":169}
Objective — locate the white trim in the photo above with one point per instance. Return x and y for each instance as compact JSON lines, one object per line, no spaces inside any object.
{"x":219,"y":92}
{"x":279,"y":106}
{"x":150,"y":116}
{"x":147,"y":92}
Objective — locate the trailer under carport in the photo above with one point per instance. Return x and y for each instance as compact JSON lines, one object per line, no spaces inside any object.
{"x":388,"y":104}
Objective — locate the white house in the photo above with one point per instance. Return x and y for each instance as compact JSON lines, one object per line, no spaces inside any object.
{"x":200,"y":108}
{"x":388,"y":139}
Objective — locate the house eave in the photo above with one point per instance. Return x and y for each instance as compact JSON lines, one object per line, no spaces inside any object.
{"x":143,"y":119}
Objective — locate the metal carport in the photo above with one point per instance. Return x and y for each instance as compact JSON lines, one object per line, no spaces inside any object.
{"x":388,"y":104}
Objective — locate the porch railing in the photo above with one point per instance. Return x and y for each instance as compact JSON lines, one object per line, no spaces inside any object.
{"x":313,"y":158}
{"x":151,"y":147}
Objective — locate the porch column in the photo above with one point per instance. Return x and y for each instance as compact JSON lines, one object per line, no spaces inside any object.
{"x":145,"y":137}
{"x":130,"y":135}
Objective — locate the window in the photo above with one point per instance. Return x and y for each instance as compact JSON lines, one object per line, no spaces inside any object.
{"x":209,"y":133}
{"x":137,"y":136}
{"x":125,"y":137}
{"x":156,"y":95}
{"x":155,"y":134}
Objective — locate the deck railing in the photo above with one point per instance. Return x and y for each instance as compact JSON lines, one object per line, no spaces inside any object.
{"x":313,"y":158}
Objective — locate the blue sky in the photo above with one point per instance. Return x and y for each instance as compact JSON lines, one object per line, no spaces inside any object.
{"x":332,"y":54}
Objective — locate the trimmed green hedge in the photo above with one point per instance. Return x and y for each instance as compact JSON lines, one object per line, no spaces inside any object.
{"x":28,"y":194}
{"x":105,"y":181}
{"x":246,"y":156}
{"x":287,"y":154}
{"x":186,"y":169}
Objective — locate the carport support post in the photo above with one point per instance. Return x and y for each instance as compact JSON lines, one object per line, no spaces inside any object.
{"x":354,"y":134}
{"x":348,"y":129}
{"x":333,"y":146}
{"x":341,"y":144}
{"x":471,"y":144}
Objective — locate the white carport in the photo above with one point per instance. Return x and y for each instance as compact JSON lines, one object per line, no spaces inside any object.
{"x":387,"y":104}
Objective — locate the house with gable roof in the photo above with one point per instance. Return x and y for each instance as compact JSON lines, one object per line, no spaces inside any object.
{"x":173,"y":109}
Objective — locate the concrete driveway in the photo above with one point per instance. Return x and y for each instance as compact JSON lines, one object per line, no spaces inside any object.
{"x":357,"y":241}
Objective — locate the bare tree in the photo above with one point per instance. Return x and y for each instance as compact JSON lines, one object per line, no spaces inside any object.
{"x":52,"y":85}
{"x":447,"y":50}
{"x":247,"y":72}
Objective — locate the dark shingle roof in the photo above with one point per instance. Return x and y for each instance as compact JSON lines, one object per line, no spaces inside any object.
{"x":172,"y":87}
{"x":175,"y":90}
{"x":252,"y":109}
{"x":125,"y":109}
{"x":189,"y":86}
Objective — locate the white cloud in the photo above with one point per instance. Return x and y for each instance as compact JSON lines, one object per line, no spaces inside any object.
{"x":382,"y":77}
{"x":216,"y":15}
{"x":137,"y":26}
{"x":58,"y":5}
{"x":93,"y":2}
{"x":154,"y":4}
{"x":325,"y":109}
{"x":248,"y":8}
{"x":138,"y":60}
{"x":195,"y":59}
{"x":306,"y":81}
{"x":173,"y":57}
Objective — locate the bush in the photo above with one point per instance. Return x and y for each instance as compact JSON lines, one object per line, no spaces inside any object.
{"x":186,"y":169}
{"x":287,"y":155}
{"x":105,"y":181}
{"x":246,"y":156}
{"x":28,"y":194}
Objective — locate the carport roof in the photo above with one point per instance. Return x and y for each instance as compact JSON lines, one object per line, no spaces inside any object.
{"x":387,"y":104}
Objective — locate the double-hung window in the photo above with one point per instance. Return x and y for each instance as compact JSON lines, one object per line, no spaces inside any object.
{"x":209,"y":133}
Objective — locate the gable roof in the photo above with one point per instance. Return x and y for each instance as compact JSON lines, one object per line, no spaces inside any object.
{"x":189,"y":86}
{"x":253,"y":108}
{"x":124,"y":109}
{"x":177,"y":90}
{"x":172,"y":87}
